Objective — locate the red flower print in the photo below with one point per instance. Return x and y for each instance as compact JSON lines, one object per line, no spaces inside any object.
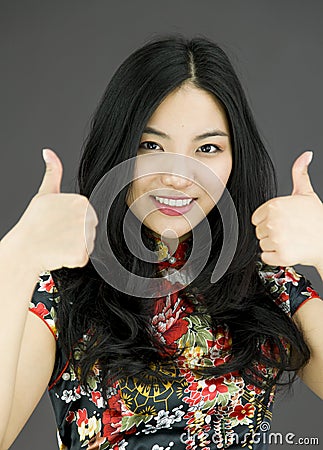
{"x":46,"y":285}
{"x":114,"y":402}
{"x":213,"y":387}
{"x":40,"y":310}
{"x":262,"y":368}
{"x":82,"y":417}
{"x":194,"y":399}
{"x":255,"y":376}
{"x":219,"y":348}
{"x":284,"y":296}
{"x":195,"y":417}
{"x":291,"y":275}
{"x":111,"y":420}
{"x":70,"y":417}
{"x":242,"y":411}
{"x":232,"y":375}
{"x":271,"y":350}
{"x":223,"y":338}
{"x":219,"y":342}
{"x":169,"y":320}
{"x":191,"y":416}
{"x":255,"y":389}
{"x":95,"y":397}
{"x":312,"y":292}
{"x":219,"y":361}
{"x":278,"y":276}
{"x":188,"y":375}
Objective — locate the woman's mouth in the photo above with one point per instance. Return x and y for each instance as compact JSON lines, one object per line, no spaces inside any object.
{"x":173,"y":207}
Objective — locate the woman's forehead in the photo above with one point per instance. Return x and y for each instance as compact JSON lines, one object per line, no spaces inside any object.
{"x":190,"y":110}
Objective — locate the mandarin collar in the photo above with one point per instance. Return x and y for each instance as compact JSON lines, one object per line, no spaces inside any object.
{"x":165,"y":259}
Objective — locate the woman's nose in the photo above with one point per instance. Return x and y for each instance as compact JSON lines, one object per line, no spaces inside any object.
{"x":178,"y":182}
{"x":179,"y":174}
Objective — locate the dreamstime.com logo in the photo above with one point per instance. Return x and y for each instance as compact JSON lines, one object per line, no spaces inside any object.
{"x":108,"y":189}
{"x":265,"y":436}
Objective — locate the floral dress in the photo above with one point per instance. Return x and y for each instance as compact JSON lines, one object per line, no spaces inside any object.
{"x":188,"y":413}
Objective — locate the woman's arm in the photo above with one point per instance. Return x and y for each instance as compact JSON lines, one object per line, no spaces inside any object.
{"x":27,"y":348}
{"x":34,"y":369}
{"x":309,"y":318}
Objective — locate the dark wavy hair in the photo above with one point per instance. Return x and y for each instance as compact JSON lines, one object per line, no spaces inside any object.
{"x":120,"y":337}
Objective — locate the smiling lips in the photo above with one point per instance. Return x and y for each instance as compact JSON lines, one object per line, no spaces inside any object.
{"x":173,"y":206}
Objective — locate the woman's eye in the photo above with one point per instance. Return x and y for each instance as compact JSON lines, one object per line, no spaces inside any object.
{"x":207,"y":148}
{"x":149,"y":145}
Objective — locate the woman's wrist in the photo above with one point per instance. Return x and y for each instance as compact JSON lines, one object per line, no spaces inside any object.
{"x":16,"y":252}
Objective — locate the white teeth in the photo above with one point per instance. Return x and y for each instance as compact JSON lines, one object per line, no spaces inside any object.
{"x":172,"y":202}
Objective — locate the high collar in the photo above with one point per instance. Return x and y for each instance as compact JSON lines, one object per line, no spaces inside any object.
{"x":165,"y":259}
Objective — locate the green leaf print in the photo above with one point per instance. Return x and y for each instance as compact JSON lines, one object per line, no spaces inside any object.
{"x":197,"y":334}
{"x":52,"y":313}
{"x":222,"y":399}
{"x":208,"y":405}
{"x":233,"y":388}
{"x":92,"y":382}
{"x":129,"y":421}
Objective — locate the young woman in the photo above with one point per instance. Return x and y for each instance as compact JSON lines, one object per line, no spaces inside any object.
{"x":197,"y":364}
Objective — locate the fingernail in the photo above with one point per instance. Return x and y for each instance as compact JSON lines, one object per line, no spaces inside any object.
{"x":309,"y":158}
{"x":46,"y":156}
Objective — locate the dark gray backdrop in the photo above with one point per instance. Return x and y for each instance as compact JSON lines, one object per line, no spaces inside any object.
{"x":56,"y":59}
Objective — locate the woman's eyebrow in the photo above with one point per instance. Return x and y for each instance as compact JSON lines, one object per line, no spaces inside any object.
{"x":216,"y":132}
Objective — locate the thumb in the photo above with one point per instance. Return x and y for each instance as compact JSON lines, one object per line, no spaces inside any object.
{"x":51,"y":183}
{"x":300,"y":176}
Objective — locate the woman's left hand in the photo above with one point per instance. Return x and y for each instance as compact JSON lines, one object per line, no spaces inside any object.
{"x":290,"y":229}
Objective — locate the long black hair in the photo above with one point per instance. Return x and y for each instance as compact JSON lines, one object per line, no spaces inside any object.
{"x":120,"y":337}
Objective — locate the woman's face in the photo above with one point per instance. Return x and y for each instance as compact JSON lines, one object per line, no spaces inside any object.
{"x":177,"y":127}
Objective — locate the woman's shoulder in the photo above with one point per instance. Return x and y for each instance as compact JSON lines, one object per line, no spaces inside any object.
{"x":289,"y":288}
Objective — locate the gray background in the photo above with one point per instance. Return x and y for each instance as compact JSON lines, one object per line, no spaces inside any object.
{"x":56,"y":59}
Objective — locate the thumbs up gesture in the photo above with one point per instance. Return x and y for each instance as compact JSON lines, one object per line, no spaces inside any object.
{"x":56,"y":229}
{"x":290,"y":228}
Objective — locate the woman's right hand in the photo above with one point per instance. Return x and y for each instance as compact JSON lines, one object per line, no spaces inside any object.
{"x":56,"y":229}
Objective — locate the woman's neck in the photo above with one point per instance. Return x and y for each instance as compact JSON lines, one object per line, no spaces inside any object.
{"x":172,"y":243}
